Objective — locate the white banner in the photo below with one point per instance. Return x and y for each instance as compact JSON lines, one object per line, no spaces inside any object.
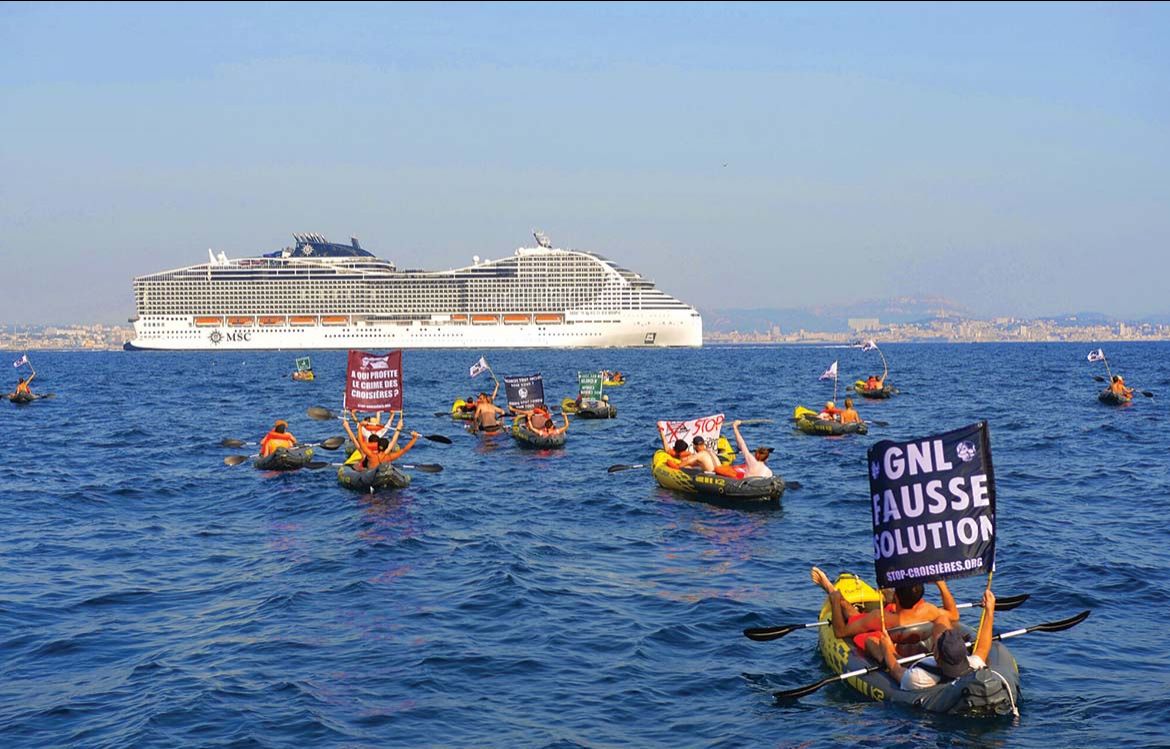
{"x":707,"y":427}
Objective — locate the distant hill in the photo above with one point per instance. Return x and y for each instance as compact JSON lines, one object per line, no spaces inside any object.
{"x":832,"y":318}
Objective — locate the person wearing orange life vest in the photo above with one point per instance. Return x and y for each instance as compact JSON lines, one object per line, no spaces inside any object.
{"x":830,"y":412}
{"x":873,"y":383}
{"x":849,"y":415}
{"x":539,"y":420}
{"x":865,"y":629}
{"x":1118,"y":388}
{"x":22,"y":385}
{"x":277,"y":438}
{"x":378,"y":450}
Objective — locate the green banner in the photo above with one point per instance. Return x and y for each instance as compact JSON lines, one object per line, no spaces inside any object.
{"x":589,"y":385}
{"x":303,"y":364}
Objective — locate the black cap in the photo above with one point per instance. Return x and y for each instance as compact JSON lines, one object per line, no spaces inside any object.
{"x":952,"y":654}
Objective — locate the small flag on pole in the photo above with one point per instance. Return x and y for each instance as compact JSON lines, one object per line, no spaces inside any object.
{"x":479,"y":366}
{"x":22,"y":360}
{"x":830,"y":373}
{"x":1097,"y":355}
{"x":868,"y":346}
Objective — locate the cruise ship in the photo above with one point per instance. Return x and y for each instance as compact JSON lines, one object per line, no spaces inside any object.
{"x":318,"y":294}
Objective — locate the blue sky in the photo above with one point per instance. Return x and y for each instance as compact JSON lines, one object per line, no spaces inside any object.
{"x":1011,"y":157}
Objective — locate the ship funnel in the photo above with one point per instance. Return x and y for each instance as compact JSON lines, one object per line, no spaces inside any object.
{"x":356,"y":245}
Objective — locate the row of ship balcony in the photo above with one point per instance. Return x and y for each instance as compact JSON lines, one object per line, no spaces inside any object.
{"x":304,"y":321}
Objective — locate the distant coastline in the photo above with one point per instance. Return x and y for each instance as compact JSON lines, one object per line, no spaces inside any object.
{"x":96,"y":337}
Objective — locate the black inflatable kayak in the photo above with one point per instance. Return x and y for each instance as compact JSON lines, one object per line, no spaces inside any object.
{"x":987,"y":692}
{"x":713,"y":487}
{"x":885,"y":391}
{"x":589,"y":410}
{"x":383,"y":477}
{"x":525,"y":437}
{"x":21,"y":399}
{"x":807,"y":422}
{"x":1111,"y":398}
{"x":285,"y":459}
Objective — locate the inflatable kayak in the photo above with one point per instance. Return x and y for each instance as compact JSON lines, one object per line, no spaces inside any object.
{"x":385,"y":476}
{"x":613,"y":383}
{"x":987,"y":692}
{"x":304,"y":376}
{"x":285,"y":459}
{"x":713,"y":487}
{"x":528,"y":438}
{"x":589,"y":409}
{"x":21,"y":399}
{"x":1111,"y":398}
{"x":458,"y":410}
{"x":885,"y":391}
{"x":807,"y":422}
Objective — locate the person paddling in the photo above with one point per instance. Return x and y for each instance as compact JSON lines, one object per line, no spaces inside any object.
{"x":849,"y":415}
{"x":950,"y":660}
{"x":865,"y":629}
{"x":1118,"y":388}
{"x":277,"y":437}
{"x":23,"y":383}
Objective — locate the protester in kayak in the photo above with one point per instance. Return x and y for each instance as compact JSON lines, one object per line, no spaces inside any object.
{"x":865,"y":629}
{"x":753,"y":461}
{"x":373,"y":425}
{"x":873,"y":383}
{"x":486,"y":413}
{"x":702,"y":457}
{"x":539,"y":420}
{"x":849,"y":415}
{"x":950,"y":660}
{"x":377,"y":450}
{"x":830,"y":412}
{"x":1117,"y":387}
{"x":680,"y":450}
{"x":277,"y":438}
{"x":23,"y":383}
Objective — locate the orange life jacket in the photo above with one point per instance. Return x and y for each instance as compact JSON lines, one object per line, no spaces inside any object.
{"x":274,"y":440}
{"x":22,"y":387}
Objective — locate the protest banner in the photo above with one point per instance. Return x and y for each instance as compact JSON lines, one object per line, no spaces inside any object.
{"x":708,"y":427}
{"x":374,"y":381}
{"x":589,"y":385}
{"x":933,"y":506}
{"x":525,"y":392}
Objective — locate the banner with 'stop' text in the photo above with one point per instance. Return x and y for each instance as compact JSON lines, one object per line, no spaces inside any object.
{"x":933,"y":507}
{"x":374,"y":381}
{"x":707,"y":427}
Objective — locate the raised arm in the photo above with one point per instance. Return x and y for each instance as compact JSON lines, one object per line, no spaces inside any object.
{"x":496,"y":389}
{"x":662,"y":434}
{"x":743,"y":448}
{"x":983,"y":643}
{"x":34,"y":374}
{"x":358,"y":443}
{"x":405,"y":448}
{"x":948,"y":601}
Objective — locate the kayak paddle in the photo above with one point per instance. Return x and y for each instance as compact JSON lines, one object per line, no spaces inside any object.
{"x":424,"y":467}
{"x":764,"y":634}
{"x":620,"y":467}
{"x":1058,"y":626}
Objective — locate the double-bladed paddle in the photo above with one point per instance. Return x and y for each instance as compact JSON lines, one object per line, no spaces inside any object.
{"x":764,"y":634}
{"x":331,"y":443}
{"x":1057,"y":626}
{"x":424,"y":467}
{"x":1146,"y":393}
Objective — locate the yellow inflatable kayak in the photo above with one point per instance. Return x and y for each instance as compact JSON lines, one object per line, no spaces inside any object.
{"x":713,"y":487}
{"x":809,"y":422}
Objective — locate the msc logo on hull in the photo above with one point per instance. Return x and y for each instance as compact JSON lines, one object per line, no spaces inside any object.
{"x":234,"y":337}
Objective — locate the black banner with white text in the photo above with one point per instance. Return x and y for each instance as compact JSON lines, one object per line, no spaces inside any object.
{"x":525,"y":392}
{"x":933,"y":507}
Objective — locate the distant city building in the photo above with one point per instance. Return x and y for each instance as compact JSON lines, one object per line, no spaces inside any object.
{"x":859,"y":324}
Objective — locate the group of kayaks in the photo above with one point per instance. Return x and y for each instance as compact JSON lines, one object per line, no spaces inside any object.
{"x":350,"y":475}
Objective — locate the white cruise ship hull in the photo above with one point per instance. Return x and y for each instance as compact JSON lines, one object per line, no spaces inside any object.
{"x":665,"y":328}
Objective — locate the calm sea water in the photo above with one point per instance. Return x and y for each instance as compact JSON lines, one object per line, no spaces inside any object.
{"x":151,"y":596}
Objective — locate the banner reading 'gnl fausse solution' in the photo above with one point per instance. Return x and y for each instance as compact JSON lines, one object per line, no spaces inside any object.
{"x":374,"y":381}
{"x":933,"y":504}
